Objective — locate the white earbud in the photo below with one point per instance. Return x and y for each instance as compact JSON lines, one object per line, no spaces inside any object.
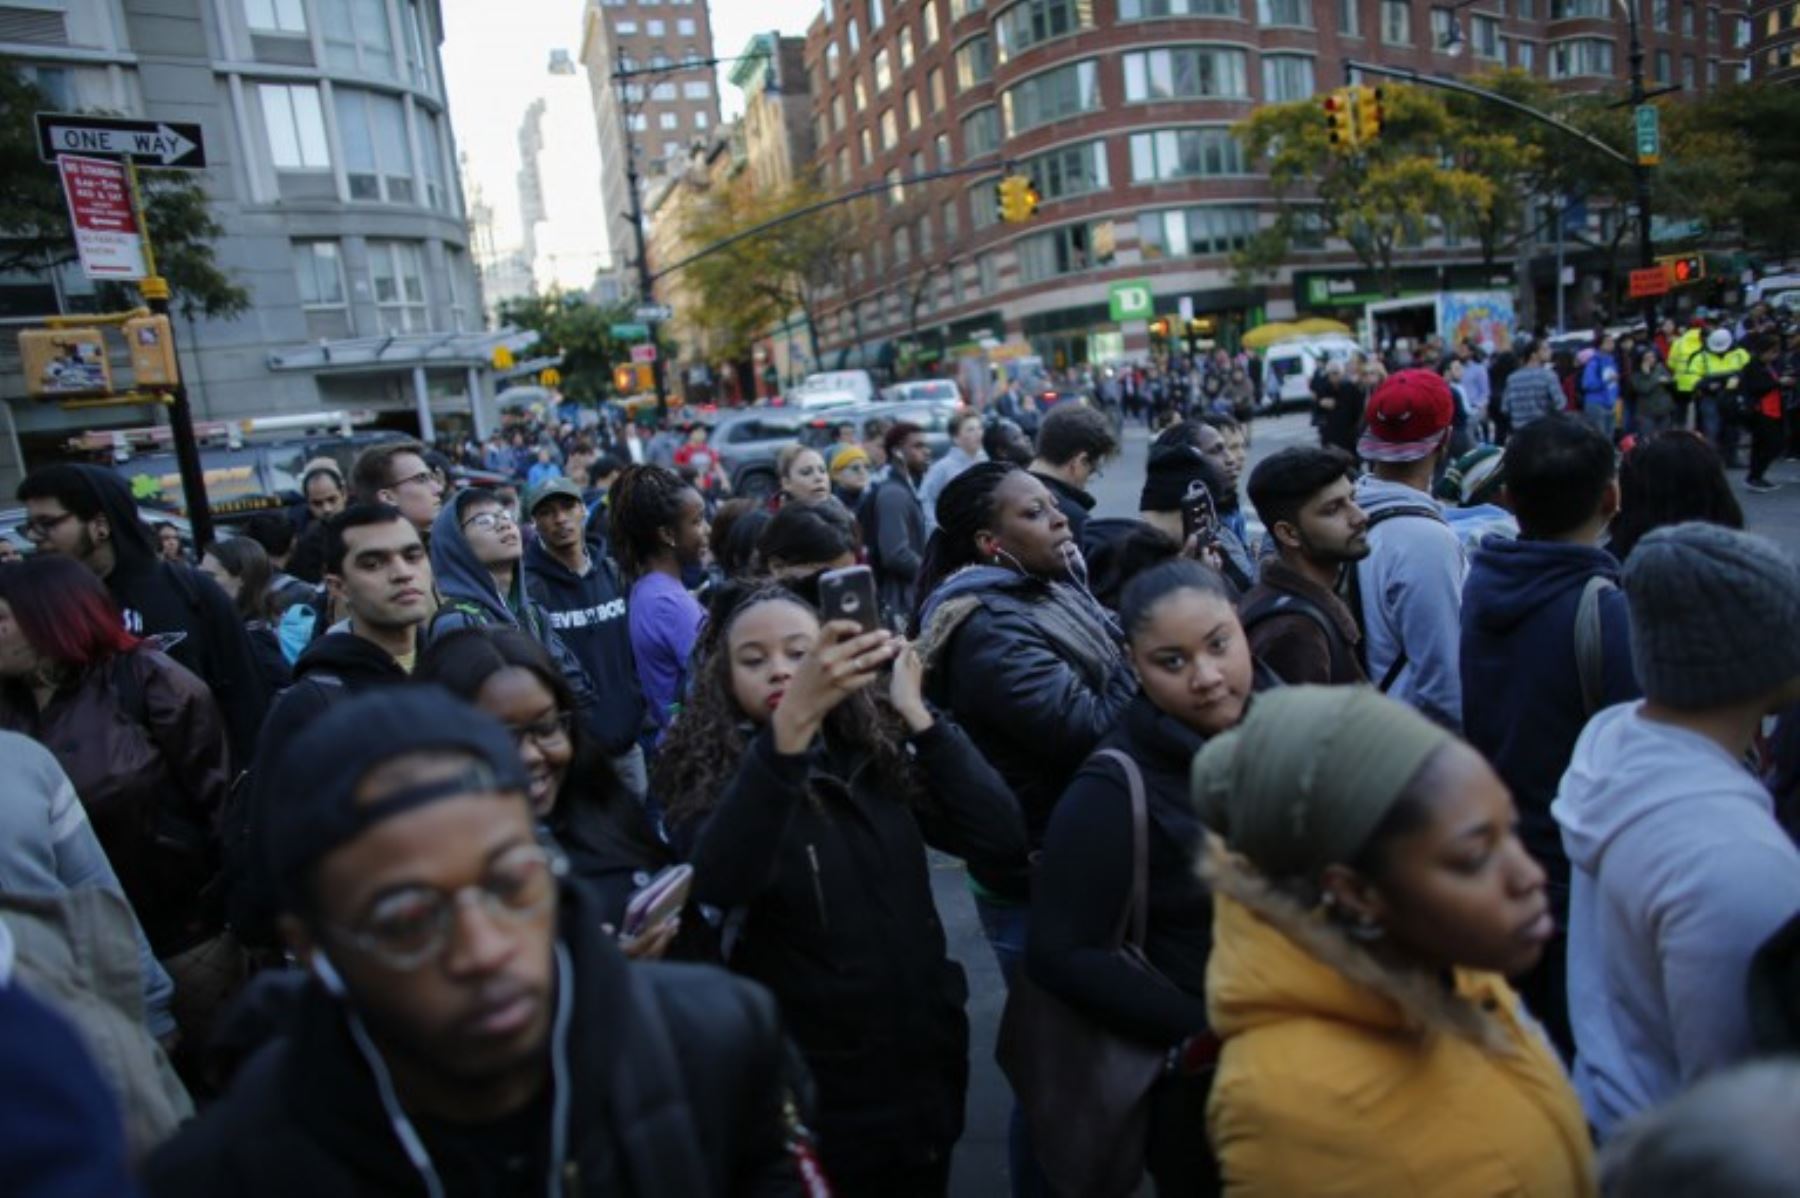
{"x":327,"y":974}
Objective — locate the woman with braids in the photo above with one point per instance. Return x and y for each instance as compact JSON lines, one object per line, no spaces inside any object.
{"x":658,"y":526}
{"x":805,"y":807}
{"x":1020,"y":653}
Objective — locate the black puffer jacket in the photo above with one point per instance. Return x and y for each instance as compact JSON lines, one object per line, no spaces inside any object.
{"x":677,"y":1088}
{"x":825,"y":867}
{"x":1034,"y":672}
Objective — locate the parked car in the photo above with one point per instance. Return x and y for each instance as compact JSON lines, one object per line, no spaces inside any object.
{"x":923,"y":389}
{"x":932,"y":415}
{"x":1289,"y":366}
{"x":858,"y":384}
{"x":748,"y":441}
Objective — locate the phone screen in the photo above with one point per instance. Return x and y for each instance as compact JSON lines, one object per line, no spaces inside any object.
{"x":849,"y":594}
{"x":1198,"y":515}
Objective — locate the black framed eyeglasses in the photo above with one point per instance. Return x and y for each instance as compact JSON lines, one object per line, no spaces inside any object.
{"x":39,"y":528}
{"x":408,"y":927}
{"x":551,"y":729}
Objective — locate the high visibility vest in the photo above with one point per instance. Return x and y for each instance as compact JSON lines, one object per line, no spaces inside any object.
{"x":1687,"y":347}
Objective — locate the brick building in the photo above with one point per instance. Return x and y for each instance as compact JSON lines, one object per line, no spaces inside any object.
{"x":1775,"y":33}
{"x":1121,"y":111}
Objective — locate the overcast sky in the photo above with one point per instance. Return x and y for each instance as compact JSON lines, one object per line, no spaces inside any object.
{"x":495,"y":53}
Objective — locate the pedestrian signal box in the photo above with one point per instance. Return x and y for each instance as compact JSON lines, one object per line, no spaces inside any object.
{"x":152,"y":346}
{"x":1685,"y":268}
{"x":65,"y":363}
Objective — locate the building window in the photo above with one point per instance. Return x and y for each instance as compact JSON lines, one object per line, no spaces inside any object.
{"x":950,"y":222}
{"x":275,"y":16}
{"x":1664,"y":69}
{"x":377,"y":154}
{"x":884,"y":71}
{"x":1484,"y":37}
{"x":1064,"y":251}
{"x":1687,"y":71}
{"x":696,"y":89}
{"x":1287,"y":77}
{"x":1441,"y":21}
{"x":984,"y":206}
{"x":896,"y":188}
{"x":916,"y":161}
{"x":1051,"y":96}
{"x":934,"y":81}
{"x":831,"y":60}
{"x":902,"y":245}
{"x":1569,"y":10}
{"x":1581,"y":56}
{"x":669,"y":120}
{"x":1526,"y":10}
{"x":837,"y":112}
{"x":1143,"y":10}
{"x":1185,"y":72}
{"x":624,"y":28}
{"x":1168,"y":154}
{"x":843,"y":164}
{"x":655,"y":27}
{"x":987,"y":274}
{"x":1687,"y":19}
{"x":296,"y":127}
{"x":1349,"y":18}
{"x":906,"y":47}
{"x":321,"y":274}
{"x":1029,"y":22}
{"x":685,"y":27}
{"x":1396,"y":22}
{"x":877,"y":18}
{"x":417,"y":64}
{"x":890,"y":135}
{"x":1070,"y":171}
{"x":663,"y":91}
{"x":868,"y":147}
{"x":912,"y":110}
{"x":397,"y":270}
{"x":974,"y":63}
{"x":981,"y":132}
{"x":1712,"y":24}
{"x":1525,"y":56}
{"x":1195,"y":232}
{"x":1712,"y":72}
{"x":1659,"y":15}
{"x":940,"y":149}
{"x":1742,"y":36}
{"x":928,"y":22}
{"x":357,"y":38}
{"x":1285,"y":12}
{"x":962,"y":8}
{"x":437,"y":188}
{"x":859,"y":95}
{"x":852,"y":38}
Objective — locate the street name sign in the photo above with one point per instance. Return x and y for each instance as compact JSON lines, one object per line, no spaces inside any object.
{"x":107,"y":236}
{"x":1649,"y":136}
{"x":654,"y":313}
{"x":631,"y":332}
{"x":147,"y":143}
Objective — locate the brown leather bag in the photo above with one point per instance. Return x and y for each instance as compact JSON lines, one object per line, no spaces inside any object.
{"x":1085,"y":1089}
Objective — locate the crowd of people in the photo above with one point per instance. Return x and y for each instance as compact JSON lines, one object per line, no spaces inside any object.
{"x":566,"y":830}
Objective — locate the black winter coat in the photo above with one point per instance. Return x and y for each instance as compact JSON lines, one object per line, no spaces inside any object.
{"x":1083,"y":883}
{"x":677,"y":1087}
{"x":1033,"y":701}
{"x":826,"y":869}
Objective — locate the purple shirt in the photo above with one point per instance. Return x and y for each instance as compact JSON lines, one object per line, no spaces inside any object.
{"x":665,"y":619}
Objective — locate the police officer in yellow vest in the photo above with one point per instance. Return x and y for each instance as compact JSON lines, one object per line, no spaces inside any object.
{"x":1716,"y":369}
{"x":1682,"y":353}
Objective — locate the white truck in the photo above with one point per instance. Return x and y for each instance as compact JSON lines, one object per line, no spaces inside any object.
{"x":1484,"y":317}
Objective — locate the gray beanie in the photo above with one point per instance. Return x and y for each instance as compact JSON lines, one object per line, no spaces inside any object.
{"x":1715,"y":615}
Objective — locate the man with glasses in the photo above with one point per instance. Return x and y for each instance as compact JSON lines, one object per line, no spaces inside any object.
{"x":469,"y":1028}
{"x":86,"y":512}
{"x":476,"y":552}
{"x":396,"y":473}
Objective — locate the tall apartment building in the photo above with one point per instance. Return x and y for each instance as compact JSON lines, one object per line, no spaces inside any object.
{"x":778,"y":124}
{"x":1121,"y":112}
{"x":1775,"y":30}
{"x":331,"y":169}
{"x":662,"y":116}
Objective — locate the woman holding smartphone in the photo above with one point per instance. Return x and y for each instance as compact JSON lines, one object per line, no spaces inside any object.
{"x":574,"y":795}
{"x":806,"y":817}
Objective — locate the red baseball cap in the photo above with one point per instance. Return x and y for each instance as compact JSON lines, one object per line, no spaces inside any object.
{"x":1407,"y":418}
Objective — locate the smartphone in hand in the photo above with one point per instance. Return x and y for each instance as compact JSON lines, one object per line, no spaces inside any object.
{"x":659,"y":901}
{"x":849,"y":594}
{"x":1198,"y":515}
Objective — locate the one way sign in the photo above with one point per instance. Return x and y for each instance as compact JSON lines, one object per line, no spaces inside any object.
{"x":147,"y":143}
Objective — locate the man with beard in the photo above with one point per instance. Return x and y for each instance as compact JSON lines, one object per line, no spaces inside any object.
{"x":469,"y":1029}
{"x":87,"y":513}
{"x":1296,"y":623}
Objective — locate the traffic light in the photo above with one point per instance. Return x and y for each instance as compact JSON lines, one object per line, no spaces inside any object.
{"x":633,"y":378}
{"x":1340,"y":125}
{"x":1368,"y":113}
{"x":1685,"y":268}
{"x":1160,"y":327}
{"x":1018,"y":199}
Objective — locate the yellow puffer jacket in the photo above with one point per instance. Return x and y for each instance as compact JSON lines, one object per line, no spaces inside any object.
{"x":1681,"y":359}
{"x":1341,"y":1077}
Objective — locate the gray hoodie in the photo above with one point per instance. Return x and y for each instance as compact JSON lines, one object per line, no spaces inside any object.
{"x":1680,"y":873}
{"x":1411,"y":586}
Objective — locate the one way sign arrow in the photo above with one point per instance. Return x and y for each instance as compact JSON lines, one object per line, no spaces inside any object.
{"x":169,"y":144}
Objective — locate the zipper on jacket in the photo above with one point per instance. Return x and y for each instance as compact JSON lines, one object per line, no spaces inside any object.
{"x":818,"y":885}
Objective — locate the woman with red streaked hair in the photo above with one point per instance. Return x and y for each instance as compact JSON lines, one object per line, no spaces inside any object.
{"x":141,"y":738}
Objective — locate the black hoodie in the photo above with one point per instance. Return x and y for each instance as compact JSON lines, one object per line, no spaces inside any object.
{"x":333,"y":668}
{"x":588,"y":612}
{"x":183,"y":610}
{"x":676,"y":1080}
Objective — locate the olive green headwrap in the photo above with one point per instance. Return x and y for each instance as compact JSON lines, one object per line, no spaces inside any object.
{"x":1309,"y":774}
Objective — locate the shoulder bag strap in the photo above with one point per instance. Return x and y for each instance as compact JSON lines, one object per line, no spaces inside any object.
{"x":1133,"y":919}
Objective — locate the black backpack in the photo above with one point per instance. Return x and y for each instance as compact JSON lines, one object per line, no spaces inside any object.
{"x":1353,"y":595}
{"x":1286,"y":603}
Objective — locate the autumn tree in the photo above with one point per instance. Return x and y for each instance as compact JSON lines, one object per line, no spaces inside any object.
{"x":34,"y":221}
{"x":1378,"y":200}
{"x":579,"y":334}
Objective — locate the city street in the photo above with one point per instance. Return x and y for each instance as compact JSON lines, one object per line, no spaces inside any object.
{"x":981,"y":1168}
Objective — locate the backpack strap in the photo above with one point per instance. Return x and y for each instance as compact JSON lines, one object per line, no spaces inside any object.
{"x":1353,"y":587}
{"x":1287,"y":603}
{"x":1135,"y":917}
{"x":1590,"y":647}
